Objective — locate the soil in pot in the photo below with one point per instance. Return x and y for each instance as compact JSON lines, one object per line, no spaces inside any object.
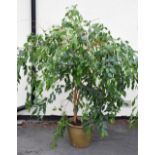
{"x":77,"y":135}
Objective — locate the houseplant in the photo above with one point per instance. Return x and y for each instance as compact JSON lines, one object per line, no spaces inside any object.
{"x":83,"y":59}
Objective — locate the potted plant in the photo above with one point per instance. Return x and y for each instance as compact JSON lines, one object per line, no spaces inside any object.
{"x":83,"y":59}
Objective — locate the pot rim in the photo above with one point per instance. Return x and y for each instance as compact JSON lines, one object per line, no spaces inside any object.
{"x":76,"y":126}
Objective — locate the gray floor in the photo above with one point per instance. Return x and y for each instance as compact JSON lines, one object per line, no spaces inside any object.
{"x":36,"y":139}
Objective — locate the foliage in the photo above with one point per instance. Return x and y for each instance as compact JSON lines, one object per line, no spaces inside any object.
{"x":83,"y":59}
{"x":60,"y":131}
{"x":133,"y":121}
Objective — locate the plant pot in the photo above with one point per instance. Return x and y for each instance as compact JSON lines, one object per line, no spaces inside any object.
{"x":78,"y":137}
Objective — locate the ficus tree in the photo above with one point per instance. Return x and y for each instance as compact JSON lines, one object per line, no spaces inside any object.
{"x":83,"y":59}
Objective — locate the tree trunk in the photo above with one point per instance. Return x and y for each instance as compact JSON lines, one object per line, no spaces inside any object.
{"x":76,"y":96}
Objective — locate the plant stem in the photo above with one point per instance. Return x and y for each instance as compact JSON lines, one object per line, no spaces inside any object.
{"x":76,"y":96}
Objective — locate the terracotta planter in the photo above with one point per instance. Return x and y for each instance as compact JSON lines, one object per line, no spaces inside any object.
{"x":78,"y":137}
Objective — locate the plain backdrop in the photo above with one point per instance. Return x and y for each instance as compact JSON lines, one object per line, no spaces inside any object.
{"x":120,"y":16}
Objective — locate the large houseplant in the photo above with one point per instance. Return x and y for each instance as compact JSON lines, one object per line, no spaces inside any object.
{"x":84,"y":60}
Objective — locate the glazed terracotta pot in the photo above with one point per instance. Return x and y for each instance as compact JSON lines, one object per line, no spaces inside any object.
{"x":78,"y":137}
